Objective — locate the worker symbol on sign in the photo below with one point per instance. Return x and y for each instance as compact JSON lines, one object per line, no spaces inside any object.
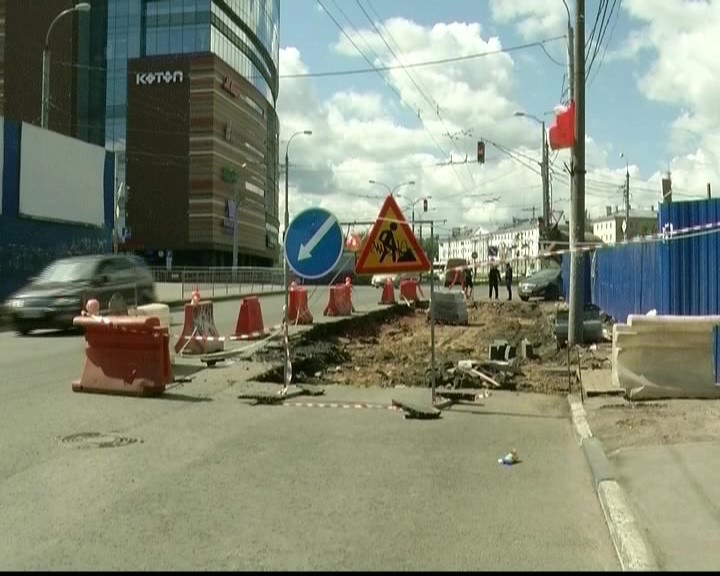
{"x":388,"y":245}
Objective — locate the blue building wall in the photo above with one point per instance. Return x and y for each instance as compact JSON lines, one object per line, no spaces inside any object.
{"x":677,"y":275}
{"x":28,"y":244}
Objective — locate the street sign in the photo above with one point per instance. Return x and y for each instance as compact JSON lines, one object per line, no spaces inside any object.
{"x":391,"y":245}
{"x":313,"y":243}
{"x":474,"y":255}
{"x":624,"y":226}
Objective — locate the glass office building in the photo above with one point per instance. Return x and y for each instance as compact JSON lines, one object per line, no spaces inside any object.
{"x":243,"y":33}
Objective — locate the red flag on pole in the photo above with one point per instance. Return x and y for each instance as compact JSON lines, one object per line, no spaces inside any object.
{"x":562,"y":132}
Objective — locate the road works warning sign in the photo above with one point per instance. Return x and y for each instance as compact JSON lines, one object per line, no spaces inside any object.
{"x":391,"y":246}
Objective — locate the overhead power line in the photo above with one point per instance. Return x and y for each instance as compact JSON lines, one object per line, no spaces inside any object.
{"x":379,"y":71}
{"x":509,"y":49}
{"x":434,"y":106}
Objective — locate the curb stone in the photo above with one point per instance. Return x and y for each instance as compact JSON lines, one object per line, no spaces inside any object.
{"x":630,"y":547}
{"x":224,"y":298}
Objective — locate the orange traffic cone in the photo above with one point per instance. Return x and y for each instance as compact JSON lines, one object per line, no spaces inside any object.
{"x":388,"y":294}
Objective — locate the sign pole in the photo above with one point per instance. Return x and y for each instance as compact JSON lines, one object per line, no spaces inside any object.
{"x":432,"y":309}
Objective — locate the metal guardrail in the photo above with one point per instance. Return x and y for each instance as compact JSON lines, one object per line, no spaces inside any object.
{"x":218,"y":281}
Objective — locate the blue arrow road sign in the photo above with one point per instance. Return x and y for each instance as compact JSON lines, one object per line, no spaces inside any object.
{"x":313,"y":243}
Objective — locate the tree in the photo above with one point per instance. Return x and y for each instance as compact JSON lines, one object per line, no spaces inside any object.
{"x":431,"y":249}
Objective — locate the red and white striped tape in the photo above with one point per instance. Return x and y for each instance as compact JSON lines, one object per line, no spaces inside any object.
{"x":344,"y":406}
{"x":288,"y":363}
{"x":668,"y":234}
{"x":251,"y":336}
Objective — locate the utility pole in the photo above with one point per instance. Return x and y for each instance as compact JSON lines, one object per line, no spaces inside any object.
{"x":577,"y":193}
{"x":627,"y":204}
{"x":571,"y":59}
{"x":709,"y":191}
{"x":545,"y":170}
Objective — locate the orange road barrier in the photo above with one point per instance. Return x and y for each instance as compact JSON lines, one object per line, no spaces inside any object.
{"x":124,"y":355}
{"x":339,"y":301}
{"x":298,"y":309}
{"x":409,"y":290}
{"x":199,"y":334}
{"x":249,"y":324}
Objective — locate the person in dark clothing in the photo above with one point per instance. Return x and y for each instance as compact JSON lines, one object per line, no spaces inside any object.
{"x":509,"y":279}
{"x":494,"y":280}
{"x":468,"y":283}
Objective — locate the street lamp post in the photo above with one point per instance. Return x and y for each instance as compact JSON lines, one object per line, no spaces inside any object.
{"x":45,"y":110}
{"x":286,"y":374}
{"x":235,"y":228}
{"x":391,"y":191}
{"x":544,"y":168}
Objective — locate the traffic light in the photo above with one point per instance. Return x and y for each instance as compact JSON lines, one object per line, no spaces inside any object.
{"x":481,"y":152}
{"x":424,"y":204}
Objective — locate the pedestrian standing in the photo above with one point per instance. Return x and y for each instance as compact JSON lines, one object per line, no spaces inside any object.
{"x":509,"y":279}
{"x":494,"y":280}
{"x":468,"y":283}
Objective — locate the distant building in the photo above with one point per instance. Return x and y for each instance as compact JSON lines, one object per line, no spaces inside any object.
{"x":184,"y":94}
{"x":518,"y":242}
{"x":609,"y":227}
{"x":462,"y":243}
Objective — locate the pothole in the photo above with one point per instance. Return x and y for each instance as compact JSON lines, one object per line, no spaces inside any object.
{"x":85,"y":440}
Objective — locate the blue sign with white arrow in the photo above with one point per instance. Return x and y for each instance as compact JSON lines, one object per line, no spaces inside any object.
{"x":313,"y":243}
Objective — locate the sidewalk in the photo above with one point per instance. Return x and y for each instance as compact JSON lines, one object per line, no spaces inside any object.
{"x":171,"y":293}
{"x":666,"y":457}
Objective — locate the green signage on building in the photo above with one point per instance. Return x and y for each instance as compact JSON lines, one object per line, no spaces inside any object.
{"x":229,"y":175}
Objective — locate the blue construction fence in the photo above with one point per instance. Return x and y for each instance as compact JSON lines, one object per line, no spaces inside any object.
{"x":676,"y":275}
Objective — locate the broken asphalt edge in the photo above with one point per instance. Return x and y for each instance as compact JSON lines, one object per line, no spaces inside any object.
{"x":632,"y":551}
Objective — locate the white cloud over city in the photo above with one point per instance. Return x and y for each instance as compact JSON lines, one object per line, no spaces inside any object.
{"x":358,"y":136}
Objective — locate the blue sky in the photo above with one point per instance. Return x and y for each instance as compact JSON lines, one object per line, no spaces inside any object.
{"x":634,"y":96}
{"x":617,"y":113}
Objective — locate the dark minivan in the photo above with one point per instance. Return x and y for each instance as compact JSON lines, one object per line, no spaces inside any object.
{"x":59,"y":293}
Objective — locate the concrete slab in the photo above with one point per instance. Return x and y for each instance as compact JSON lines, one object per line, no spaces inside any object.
{"x":600,"y":382}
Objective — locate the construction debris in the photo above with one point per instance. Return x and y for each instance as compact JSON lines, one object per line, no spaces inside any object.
{"x":393,"y":350}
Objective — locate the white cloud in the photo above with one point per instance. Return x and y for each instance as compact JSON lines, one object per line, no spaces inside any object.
{"x":684,"y":72}
{"x":357,"y":136}
{"x":534,"y":19}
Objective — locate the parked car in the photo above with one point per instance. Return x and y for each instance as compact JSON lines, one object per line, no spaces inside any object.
{"x":59,"y":293}
{"x":545,"y":284}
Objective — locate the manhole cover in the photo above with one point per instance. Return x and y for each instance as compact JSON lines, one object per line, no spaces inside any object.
{"x":96,"y":440}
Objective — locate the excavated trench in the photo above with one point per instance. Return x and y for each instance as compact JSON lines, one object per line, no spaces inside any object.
{"x":322,"y":348}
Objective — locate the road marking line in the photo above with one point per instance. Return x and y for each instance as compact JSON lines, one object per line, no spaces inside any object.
{"x":338,"y":405}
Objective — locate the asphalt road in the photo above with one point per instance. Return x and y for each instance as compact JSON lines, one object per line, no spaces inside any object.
{"x":212,"y":483}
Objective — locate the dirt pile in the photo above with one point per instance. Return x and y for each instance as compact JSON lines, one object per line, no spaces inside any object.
{"x":392,"y":348}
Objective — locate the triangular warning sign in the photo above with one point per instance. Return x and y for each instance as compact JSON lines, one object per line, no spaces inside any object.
{"x":391,"y":245}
